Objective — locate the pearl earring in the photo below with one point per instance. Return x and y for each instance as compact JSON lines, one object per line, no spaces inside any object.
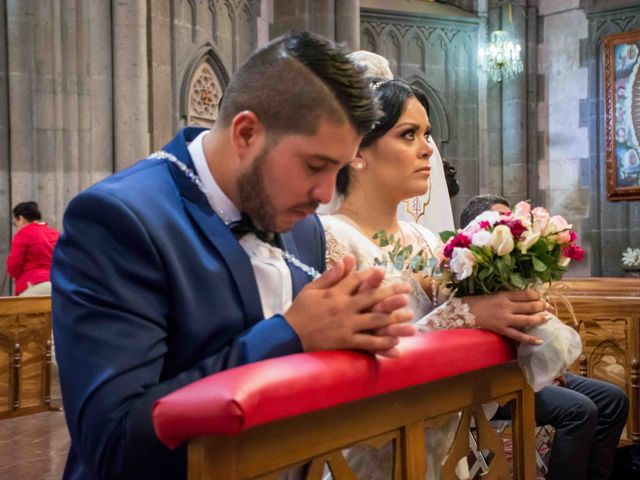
{"x":359,"y":164}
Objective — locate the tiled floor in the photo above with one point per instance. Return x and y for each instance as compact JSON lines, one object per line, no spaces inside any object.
{"x":33,"y":447}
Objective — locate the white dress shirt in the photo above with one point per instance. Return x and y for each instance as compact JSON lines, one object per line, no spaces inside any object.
{"x":272,"y":273}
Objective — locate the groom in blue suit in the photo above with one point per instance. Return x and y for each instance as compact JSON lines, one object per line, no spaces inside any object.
{"x":201,"y":258}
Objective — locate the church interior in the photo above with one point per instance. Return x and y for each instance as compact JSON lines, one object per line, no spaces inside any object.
{"x":531,"y":100}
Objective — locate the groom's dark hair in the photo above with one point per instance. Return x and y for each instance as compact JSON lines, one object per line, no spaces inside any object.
{"x":295,"y":82}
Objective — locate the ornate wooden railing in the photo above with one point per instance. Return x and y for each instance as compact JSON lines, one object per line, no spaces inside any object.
{"x":608,"y":312}
{"x":25,"y":355}
{"x":301,"y":411}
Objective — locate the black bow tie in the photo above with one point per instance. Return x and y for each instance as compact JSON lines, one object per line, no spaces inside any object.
{"x":245,"y":225}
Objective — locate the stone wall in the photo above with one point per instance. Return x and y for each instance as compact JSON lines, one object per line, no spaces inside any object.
{"x":571,"y":134}
{"x":87,"y":88}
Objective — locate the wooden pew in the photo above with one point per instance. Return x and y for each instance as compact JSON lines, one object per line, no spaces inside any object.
{"x":25,"y":355}
{"x":603,"y":286}
{"x":608,"y":312}
{"x":258,"y":420}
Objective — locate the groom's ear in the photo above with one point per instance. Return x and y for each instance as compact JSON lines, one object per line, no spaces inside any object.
{"x":247,"y":134}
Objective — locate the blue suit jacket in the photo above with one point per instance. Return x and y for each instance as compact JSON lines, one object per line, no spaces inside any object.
{"x":151,"y":291}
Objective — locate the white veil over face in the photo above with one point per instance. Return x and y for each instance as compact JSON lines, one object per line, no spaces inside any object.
{"x":433,"y":209}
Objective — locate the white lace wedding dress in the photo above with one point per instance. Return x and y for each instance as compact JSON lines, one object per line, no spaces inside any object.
{"x":343,"y":237}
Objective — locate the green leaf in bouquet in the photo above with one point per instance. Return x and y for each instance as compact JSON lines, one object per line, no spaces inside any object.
{"x":508,"y":260}
{"x":446,"y":235}
{"x":547,"y":259}
{"x":517,"y":280}
{"x":484,"y":273}
{"x":557,"y":274}
{"x":545,"y":276}
{"x":538,"y":248}
{"x":538,"y":265}
{"x":503,"y":268}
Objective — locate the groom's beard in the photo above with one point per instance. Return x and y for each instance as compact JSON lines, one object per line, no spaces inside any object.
{"x":254,"y":198}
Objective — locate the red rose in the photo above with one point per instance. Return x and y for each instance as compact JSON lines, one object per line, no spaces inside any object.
{"x":516,"y":227}
{"x":574,"y":252}
{"x":460,"y":240}
{"x":572,"y":236}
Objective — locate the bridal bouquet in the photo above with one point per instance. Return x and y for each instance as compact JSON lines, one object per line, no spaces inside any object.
{"x":526,"y":249}
{"x":513,"y":252}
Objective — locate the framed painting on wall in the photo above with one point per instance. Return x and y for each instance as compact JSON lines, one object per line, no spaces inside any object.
{"x":622,"y":115}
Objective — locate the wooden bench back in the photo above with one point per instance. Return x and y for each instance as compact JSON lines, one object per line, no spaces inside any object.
{"x":25,"y":355}
{"x":301,"y":411}
{"x":603,"y":286}
{"x":314,"y":440}
{"x":610,"y":330}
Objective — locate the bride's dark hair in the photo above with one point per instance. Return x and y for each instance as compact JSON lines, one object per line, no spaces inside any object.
{"x":392,"y":96}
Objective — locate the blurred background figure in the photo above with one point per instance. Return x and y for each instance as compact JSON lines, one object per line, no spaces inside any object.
{"x":451,"y":176}
{"x":29,"y":260}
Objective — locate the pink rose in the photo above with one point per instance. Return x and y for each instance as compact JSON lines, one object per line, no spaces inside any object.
{"x":558,"y":224}
{"x":540,"y":220}
{"x":523,"y":212}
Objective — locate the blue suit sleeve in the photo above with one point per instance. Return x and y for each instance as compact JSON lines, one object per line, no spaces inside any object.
{"x":112,"y":312}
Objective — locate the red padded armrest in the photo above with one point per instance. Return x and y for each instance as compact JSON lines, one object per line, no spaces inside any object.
{"x":240,"y":398}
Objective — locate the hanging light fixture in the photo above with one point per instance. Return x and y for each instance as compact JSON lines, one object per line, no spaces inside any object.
{"x":500,"y":59}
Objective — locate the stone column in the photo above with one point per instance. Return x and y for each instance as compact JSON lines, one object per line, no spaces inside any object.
{"x":131,"y":83}
{"x":484,"y":160}
{"x":317,"y":16}
{"x":531,"y":70}
{"x":348,"y":23}
{"x":5,"y":184}
{"x":493,"y":182}
{"x":161,"y":95}
{"x":514,"y":119}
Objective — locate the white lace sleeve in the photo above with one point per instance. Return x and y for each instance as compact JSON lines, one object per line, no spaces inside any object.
{"x":451,"y":314}
{"x":335,"y":250}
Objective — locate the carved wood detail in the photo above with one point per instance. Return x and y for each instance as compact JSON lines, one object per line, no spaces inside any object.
{"x":25,"y":355}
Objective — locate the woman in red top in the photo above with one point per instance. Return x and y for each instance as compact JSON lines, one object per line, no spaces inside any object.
{"x":29,"y":260}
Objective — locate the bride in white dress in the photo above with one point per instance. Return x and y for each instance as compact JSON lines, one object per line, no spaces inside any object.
{"x":391,"y":166}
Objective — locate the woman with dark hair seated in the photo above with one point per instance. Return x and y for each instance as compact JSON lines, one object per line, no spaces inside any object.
{"x":29,"y":260}
{"x":393,"y":165}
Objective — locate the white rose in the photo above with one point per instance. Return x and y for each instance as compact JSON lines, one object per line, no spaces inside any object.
{"x":564,"y":261}
{"x":462,"y":262}
{"x":528,"y":239}
{"x":502,"y":240}
{"x":481,"y":239}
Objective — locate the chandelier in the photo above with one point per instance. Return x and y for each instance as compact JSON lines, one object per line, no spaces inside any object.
{"x":500,"y":59}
